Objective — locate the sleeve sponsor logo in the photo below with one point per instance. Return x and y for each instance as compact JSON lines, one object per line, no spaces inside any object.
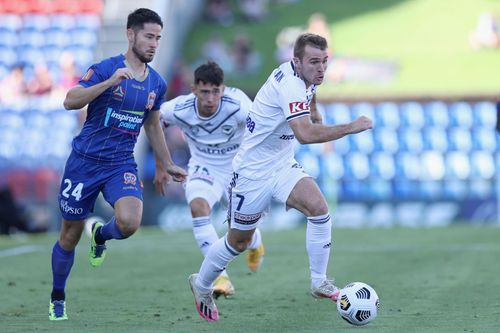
{"x":250,"y":124}
{"x":297,"y":107}
{"x":151,"y":100}
{"x":88,"y":75}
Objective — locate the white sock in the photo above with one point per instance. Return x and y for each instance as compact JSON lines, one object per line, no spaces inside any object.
{"x":216,"y":261}
{"x":256,"y":240}
{"x":204,"y":233}
{"x":318,"y":243}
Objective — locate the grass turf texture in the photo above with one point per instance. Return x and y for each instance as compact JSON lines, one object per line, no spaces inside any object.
{"x":428,"y":39}
{"x":428,"y":280}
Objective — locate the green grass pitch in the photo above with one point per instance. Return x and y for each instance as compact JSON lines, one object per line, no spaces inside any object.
{"x":428,"y":280}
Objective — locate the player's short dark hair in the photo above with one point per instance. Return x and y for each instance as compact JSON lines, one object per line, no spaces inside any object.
{"x":209,"y":72}
{"x":308,"y":39}
{"x":138,"y":17}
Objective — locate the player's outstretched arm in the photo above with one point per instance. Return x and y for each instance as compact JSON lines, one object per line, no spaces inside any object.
{"x":156,"y":138}
{"x":79,"y":96}
{"x":307,"y":132}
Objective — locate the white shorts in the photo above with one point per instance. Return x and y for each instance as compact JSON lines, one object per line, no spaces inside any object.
{"x":207,"y":182}
{"x":249,"y":198}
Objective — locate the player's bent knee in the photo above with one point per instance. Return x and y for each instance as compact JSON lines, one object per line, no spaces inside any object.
{"x":128,"y":226}
{"x":317,"y":207}
{"x":199,"y":207}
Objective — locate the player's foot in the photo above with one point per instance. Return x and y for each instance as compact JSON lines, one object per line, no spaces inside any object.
{"x":205,"y":304}
{"x":255,"y":257}
{"x":57,"y":310}
{"x":223,"y":287}
{"x":97,"y":252}
{"x":326,"y":290}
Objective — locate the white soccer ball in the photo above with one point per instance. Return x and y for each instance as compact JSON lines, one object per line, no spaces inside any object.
{"x":358,"y":303}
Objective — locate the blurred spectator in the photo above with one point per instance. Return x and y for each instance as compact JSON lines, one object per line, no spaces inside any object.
{"x":486,"y":34}
{"x":216,"y":49}
{"x":286,"y":37}
{"x":180,"y":82}
{"x":245,"y":58}
{"x":318,"y":25}
{"x":70,"y":75}
{"x":285,"y":41}
{"x":42,"y":82}
{"x":254,"y":10}
{"x":220,"y":12}
{"x":13,"y":86}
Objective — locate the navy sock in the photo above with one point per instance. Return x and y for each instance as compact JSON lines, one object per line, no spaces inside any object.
{"x":62,"y":261}
{"x":109,"y":231}
{"x":57,"y":295}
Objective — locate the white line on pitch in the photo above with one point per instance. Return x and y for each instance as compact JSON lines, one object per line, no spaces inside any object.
{"x":15,"y":251}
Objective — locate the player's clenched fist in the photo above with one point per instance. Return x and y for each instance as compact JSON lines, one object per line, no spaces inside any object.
{"x":361,"y":124}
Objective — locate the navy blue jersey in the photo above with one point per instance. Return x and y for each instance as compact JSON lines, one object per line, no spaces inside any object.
{"x":115,"y":117}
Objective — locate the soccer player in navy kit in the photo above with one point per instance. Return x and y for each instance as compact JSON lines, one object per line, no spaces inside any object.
{"x":123,"y":93}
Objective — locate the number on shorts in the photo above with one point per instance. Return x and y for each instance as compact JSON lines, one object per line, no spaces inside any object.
{"x":203,"y":170}
{"x":77,"y":191}
{"x":242,"y":198}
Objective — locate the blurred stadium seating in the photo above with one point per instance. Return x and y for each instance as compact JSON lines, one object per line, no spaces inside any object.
{"x":35,"y":130}
{"x":419,"y":151}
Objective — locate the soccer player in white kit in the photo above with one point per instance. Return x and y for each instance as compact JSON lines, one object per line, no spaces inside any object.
{"x":213,"y":119}
{"x":265,"y":169}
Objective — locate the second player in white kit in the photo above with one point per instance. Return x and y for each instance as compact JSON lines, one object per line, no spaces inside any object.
{"x":213,"y":119}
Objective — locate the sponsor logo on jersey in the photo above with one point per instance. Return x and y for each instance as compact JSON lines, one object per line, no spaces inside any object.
{"x":123,"y":120}
{"x":151,"y":100}
{"x":129,"y":178}
{"x":65,"y":207}
{"x":219,"y":151}
{"x":297,"y":107}
{"x":118,"y":93}
{"x":88,"y":75}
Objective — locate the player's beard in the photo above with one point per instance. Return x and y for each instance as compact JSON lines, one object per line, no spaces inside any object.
{"x":141,"y":55}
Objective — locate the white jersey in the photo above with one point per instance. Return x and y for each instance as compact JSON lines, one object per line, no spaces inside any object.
{"x":269,"y":141}
{"x":212,"y":140}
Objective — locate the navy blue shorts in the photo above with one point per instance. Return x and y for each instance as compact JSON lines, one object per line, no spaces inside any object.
{"x":83,"y":180}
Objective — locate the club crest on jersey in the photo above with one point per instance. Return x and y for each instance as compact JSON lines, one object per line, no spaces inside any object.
{"x":297,"y":107}
{"x":129,"y":178}
{"x":118,"y":93}
{"x":194,"y":130}
{"x":227,"y":129}
{"x":151,"y":100}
